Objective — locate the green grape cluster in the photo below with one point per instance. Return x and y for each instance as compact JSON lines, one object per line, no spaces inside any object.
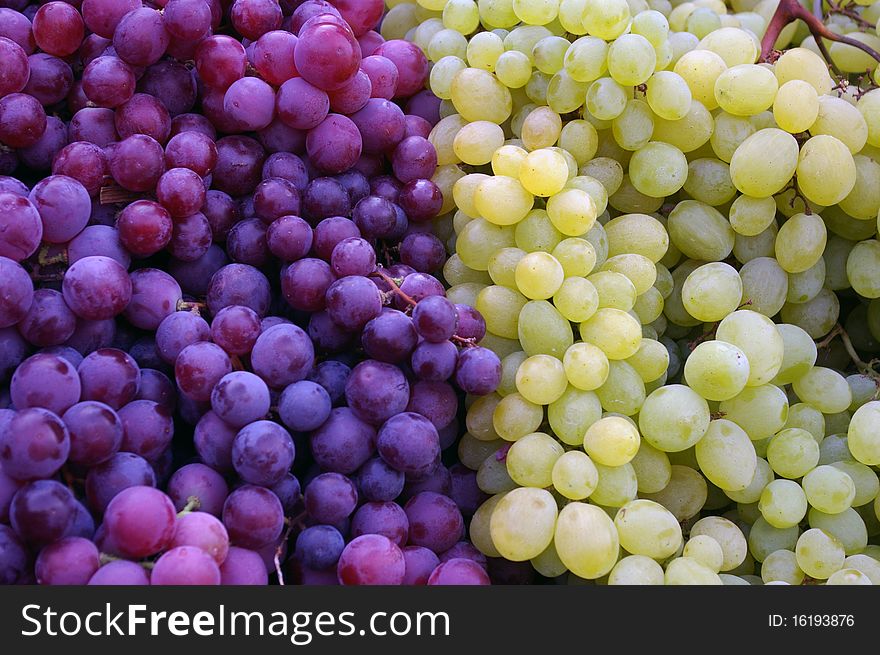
{"x":657,"y":226}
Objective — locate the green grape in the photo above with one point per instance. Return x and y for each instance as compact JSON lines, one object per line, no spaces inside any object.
{"x":804,"y":286}
{"x":536,"y":12}
{"x":826,"y":172}
{"x":647,"y":528}
{"x":576,"y":299}
{"x":536,"y":88}
{"x":522,"y":523}
{"x":764,"y":539}
{"x":633,"y":128}
{"x":606,"y":99}
{"x":848,"y":577}
{"x":708,"y":181}
{"x":541,"y":379}
{"x":515,"y":417}
{"x":472,"y":452}
{"x":493,"y":478}
{"x":572,"y":414}
{"x":807,"y":417}
{"x":760,"y":411}
{"x":509,"y":366}
{"x":717,"y":370}
{"x":502,"y":200}
{"x":537,"y":233}
{"x":565,"y":95}
{"x":617,"y":485}
{"x":442,"y":136}
{"x":399,"y":20}
{"x":484,"y":48}
{"x":456,"y":273}
{"x":574,"y":475}
{"x":623,"y":390}
{"x":783,"y":504}
{"x":782,"y":566}
{"x":631,"y":60}
{"x":674,"y":418}
{"x":765,"y":162}
{"x":548,"y":563}
{"x":823,"y":388}
{"x":507,"y":160}
{"x":800,"y":242}
{"x":465,"y":293}
{"x":796,"y":106}
{"x":701,"y":69}
{"x":531,"y":458}
{"x":727,"y":535}
{"x":863,"y":202}
{"x":862,"y":436}
{"x":816,"y":316}
{"x":593,"y":188}
{"x":630,"y":200}
{"x":803,"y":64}
{"x":837,"y":251}
{"x":544,"y":172}
{"x":572,"y":211}
{"x":513,"y":69}
{"x":538,"y":275}
{"x":650,"y":361}
{"x":606,"y":19}
{"x":476,"y":142}
{"x":500,"y":308}
{"x":665,"y":55}
{"x":685,"y":494}
{"x":636,"y":570}
{"x":792,"y":453}
{"x":730,"y":131}
{"x":579,"y":138}
{"x":764,"y":286}
{"x":549,"y":53}
{"x":586,"y":366}
{"x":479,"y":417}
{"x":463,"y":193}
{"x":863,"y":268}
{"x":840,"y":119}
{"x":702,"y":21}
{"x":638,"y":234}
{"x":866,"y":565}
{"x":649,"y":306}
{"x":688,"y":571}
{"x":447,"y":43}
{"x":637,"y":268}
{"x":669,"y":95}
{"x":617,"y":333}
{"x":541,"y":128}
{"x":757,"y":337}
{"x":735,"y":46}
{"x":658,"y":169}
{"x":701,"y":232}
{"x":712,"y":291}
{"x":479,"y":240}
{"x":847,"y":527}
{"x":652,"y":467}
{"x":543,"y":330}
{"x":586,"y":540}
{"x":705,"y":550}
{"x":442,"y":73}
{"x":586,"y":59}
{"x":502,"y":265}
{"x":745,"y":89}
{"x":608,"y":171}
{"x":834,"y":448}
{"x":726,"y":456}
{"x":479,"y":527}
{"x":611,"y":441}
{"x":652,"y":25}
{"x":478,"y":95}
{"x":819,"y":554}
{"x":751,"y":494}
{"x":828,"y":489}
{"x":750,"y":216}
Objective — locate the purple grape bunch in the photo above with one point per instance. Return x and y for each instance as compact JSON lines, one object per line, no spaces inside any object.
{"x":226,"y":352}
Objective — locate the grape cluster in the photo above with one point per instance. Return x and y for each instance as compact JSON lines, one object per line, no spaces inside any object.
{"x":206,"y":376}
{"x":658,"y":215}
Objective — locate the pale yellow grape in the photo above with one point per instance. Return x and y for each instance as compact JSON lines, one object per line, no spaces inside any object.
{"x":764,"y":163}
{"x":806,"y":65}
{"x":476,"y":142}
{"x":639,"y":269}
{"x":514,"y":417}
{"x":456,"y":273}
{"x":484,"y":48}
{"x":658,"y":169}
{"x":750,"y":216}
{"x":478,"y":95}
{"x":761,"y":411}
{"x":538,"y":275}
{"x":665,"y":56}
{"x":522,"y":523}
{"x":816,"y":316}
{"x":652,"y":467}
{"x":647,"y":528}
{"x":497,"y":13}
{"x":652,"y":25}
{"x":701,"y":232}
{"x":782,"y":565}
{"x":571,"y":14}
{"x":636,"y":570}
{"x":726,"y":456}
{"x":649,"y":306}
{"x":502,"y":265}
{"x":840,"y":119}
{"x":593,"y":188}
{"x":586,"y":59}
{"x":479,"y":239}
{"x":399,"y":20}
{"x":623,"y":391}
{"x":586,"y":540}
{"x":751,"y":494}
{"x":863,"y":202}
{"x":576,"y":299}
{"x":500,"y":308}
{"x":631,"y":60}
{"x":541,"y":379}
{"x":536,"y":12}
{"x":608,"y":171}
{"x":442,"y":136}
{"x":712,"y":291}
{"x":611,"y":441}
{"x":717,"y":370}
{"x":685,"y":494}
{"x":764,"y":285}
{"x":863,"y":436}
{"x":606,"y":99}
{"x":650,"y":361}
{"x":826,"y":172}
{"x":828,"y":489}
{"x":502,"y":200}
{"x":633,"y":128}
{"x":479,"y":530}
{"x":757,"y":337}
{"x":543,"y":172}
{"x":606,"y":19}
{"x":513,"y":69}
{"x":445,"y":178}
{"x":479,"y":417}
{"x":467,"y":292}
{"x":580,"y":138}
{"x":617,"y":333}
{"x":447,"y":43}
{"x":577,"y":256}
{"x":702,"y":21}
{"x":565,"y":95}
{"x":669,"y":95}
{"x":735,"y":46}
{"x":846,"y":526}
{"x":629,"y":200}
{"x":869,"y":106}
{"x":572,"y":414}
{"x":541,"y":128}
{"x":507,"y":160}
{"x":543,"y":330}
{"x":574,"y":475}
{"x":708,"y":180}
{"x":425,"y":30}
{"x":796,"y":106}
{"x":863,"y":268}
{"x":792,"y":453}
{"x":807,"y":417}
{"x":536,"y":87}
{"x":664,"y":283}
{"x":823,"y":388}
{"x":700,"y":69}
{"x":800,"y":242}
{"x":819,"y":554}
{"x":673,"y":418}
{"x":705,"y":550}
{"x":531,"y":458}
{"x":806,"y":285}
{"x":535,"y":232}
{"x":492,"y":476}
{"x":617,"y":485}
{"x":586,"y":366}
{"x":442,"y":74}
{"x":472,"y":451}
{"x":800,"y":354}
{"x":764,"y":539}
{"x":569,"y":160}
{"x":727,"y":535}
{"x":549,"y":53}
{"x":730,"y":131}
{"x":688,"y":571}
{"x":509,"y":364}
{"x":848,"y":577}
{"x":572,"y":211}
{"x":637,"y":234}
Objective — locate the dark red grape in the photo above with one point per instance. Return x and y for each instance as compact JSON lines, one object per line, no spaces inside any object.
{"x":243,"y":567}
{"x":371,"y":559}
{"x":459,"y":571}
{"x":16,"y":292}
{"x":42,"y":511}
{"x":200,"y":482}
{"x":253,"y":516}
{"x":97,"y":288}
{"x":420,"y":563}
{"x":120,"y":572}
{"x":70,"y":561}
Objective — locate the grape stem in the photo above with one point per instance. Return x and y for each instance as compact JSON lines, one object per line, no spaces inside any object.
{"x":395,"y":289}
{"x":192,"y":504}
{"x":869,"y":369}
{"x":291,"y":524}
{"x":111,"y":193}
{"x":191,"y":306}
{"x":835,"y":8}
{"x":789,"y":11}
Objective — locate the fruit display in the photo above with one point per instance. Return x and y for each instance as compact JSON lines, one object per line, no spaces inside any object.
{"x":444,"y":292}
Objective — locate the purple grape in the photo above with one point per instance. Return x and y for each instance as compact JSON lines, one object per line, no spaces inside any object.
{"x":390,"y":337}
{"x":319,"y":547}
{"x":263,"y":451}
{"x":324,"y":197}
{"x":327,"y":335}
{"x":98,"y":240}
{"x":279,"y":138}
{"x":202,"y":531}
{"x":22,"y":120}
{"x":331,"y":375}
{"x":156,"y":386}
{"x":289,"y":493}
{"x":330,"y":498}
{"x":95,"y":430}
{"x":471,"y":324}
{"x":371,"y":559}
{"x":282,"y":355}
{"x":94,"y":125}
{"x":287,"y":166}
{"x":438,"y":481}
{"x":375,"y":217}
{"x":254,"y":18}
{"x":185,"y":565}
{"x":41,"y":512}
{"x":181,"y":191}
{"x":435,"y":319}
{"x":379,"y":482}
{"x":70,"y":561}
{"x":376,"y":391}
{"x":49,"y":321}
{"x":14,"y":557}
{"x":220,"y":60}
{"x":434,"y":362}
{"x":179,"y":330}
{"x":34,"y":444}
{"x":465,"y":550}
{"x":148,"y":428}
{"x":353,"y":301}
{"x":436,"y":401}
{"x":459,"y":571}
{"x":383,"y":76}
{"x":137,"y":163}
{"x":301,"y":105}
{"x":16,"y":292}
{"x":13,"y":350}
{"x":236,"y":329}
{"x":92,"y":335}
{"x":434,"y":521}
{"x":353,"y":256}
{"x":335,"y":144}
{"x":343,"y":443}
{"x":171,"y":83}
{"x":421,"y":199}
{"x":140,"y":521}
{"x":239,"y":284}
{"x":417,"y":126}
{"x":423,"y":251}
{"x":332,"y":231}
{"x":386,"y":186}
{"x":273,"y":56}
{"x":213,"y":441}
{"x":385,"y":518}
{"x":465,"y":491}
{"x":327,"y":55}
{"x":420,"y":563}
{"x":121,"y":471}
{"x":143,"y":114}
{"x":194,"y":277}
{"x":289,"y":238}
{"x":353,"y":96}
{"x":304,"y":406}
{"x":253,"y":516}
{"x":110,"y":376}
{"x":22,"y":228}
{"x":192,"y":150}
{"x":120,"y":572}
{"x":198,"y":368}
{"x":239,"y":164}
{"x":246,"y":242}
{"x":361,"y":15}
{"x":414,"y":158}
{"x":425,"y":105}
{"x":243,"y":567}
{"x":478,"y":371}
{"x":200,"y":482}
{"x":40,"y":154}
